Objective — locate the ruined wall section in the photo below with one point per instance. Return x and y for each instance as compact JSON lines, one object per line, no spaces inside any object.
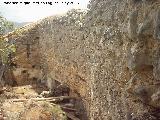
{"x":111,"y":59}
{"x":65,"y":54}
{"x":119,"y":92}
{"x":108,"y":72}
{"x":54,"y":49}
{"x":26,"y":68}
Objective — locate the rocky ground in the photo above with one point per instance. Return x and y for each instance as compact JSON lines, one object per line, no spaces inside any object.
{"x":34,"y":103}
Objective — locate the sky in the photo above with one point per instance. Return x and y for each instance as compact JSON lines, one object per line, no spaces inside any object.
{"x":33,"y":11}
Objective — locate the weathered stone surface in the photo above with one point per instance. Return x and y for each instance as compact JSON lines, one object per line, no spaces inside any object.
{"x":104,"y":57}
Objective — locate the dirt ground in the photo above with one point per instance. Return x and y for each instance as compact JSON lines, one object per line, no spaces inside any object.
{"x":25,"y":108}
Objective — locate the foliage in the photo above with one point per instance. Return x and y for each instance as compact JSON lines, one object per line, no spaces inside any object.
{"x":5,"y":47}
{"x":5,"y":50}
{"x":5,"y":25}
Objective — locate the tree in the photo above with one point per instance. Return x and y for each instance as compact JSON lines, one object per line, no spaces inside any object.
{"x":5,"y":47}
{"x":5,"y":25}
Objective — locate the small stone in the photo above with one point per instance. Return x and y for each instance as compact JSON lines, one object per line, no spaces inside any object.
{"x":45,"y":94}
{"x":156,"y":96}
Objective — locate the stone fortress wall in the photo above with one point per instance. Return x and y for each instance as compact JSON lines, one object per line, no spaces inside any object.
{"x":108,"y":56}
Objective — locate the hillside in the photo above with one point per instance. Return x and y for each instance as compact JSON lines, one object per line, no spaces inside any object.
{"x":18,"y":25}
